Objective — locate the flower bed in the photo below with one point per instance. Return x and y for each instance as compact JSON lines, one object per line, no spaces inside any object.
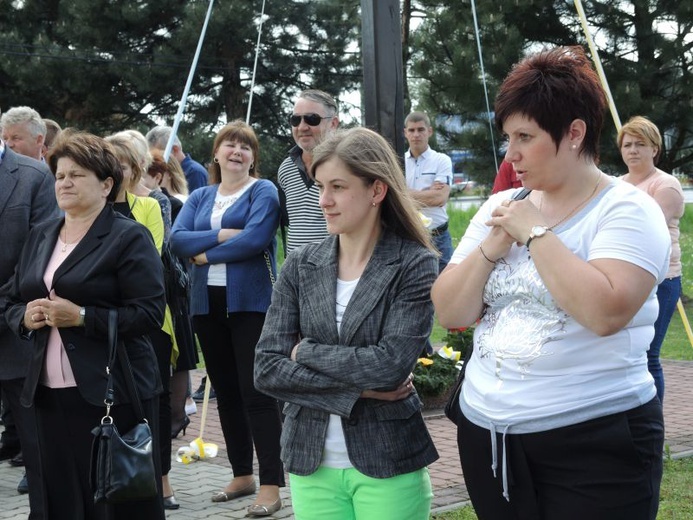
{"x":435,"y":375}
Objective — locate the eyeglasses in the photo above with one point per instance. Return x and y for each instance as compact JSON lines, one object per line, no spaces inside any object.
{"x":310,"y":119}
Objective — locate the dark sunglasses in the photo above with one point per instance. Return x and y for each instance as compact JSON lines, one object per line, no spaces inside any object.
{"x":310,"y":119}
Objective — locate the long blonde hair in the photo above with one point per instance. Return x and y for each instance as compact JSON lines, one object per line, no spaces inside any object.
{"x":370,"y":157}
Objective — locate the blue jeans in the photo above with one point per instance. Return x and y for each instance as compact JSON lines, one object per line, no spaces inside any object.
{"x":443,"y":244}
{"x":668,"y":293}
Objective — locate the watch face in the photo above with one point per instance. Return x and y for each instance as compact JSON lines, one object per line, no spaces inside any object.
{"x":538,"y":231}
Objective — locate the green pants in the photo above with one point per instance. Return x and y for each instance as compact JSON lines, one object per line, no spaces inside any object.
{"x":347,"y":494}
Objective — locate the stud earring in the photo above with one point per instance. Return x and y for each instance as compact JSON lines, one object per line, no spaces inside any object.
{"x":216,"y":160}
{"x":373,"y":204}
{"x":574,"y":147}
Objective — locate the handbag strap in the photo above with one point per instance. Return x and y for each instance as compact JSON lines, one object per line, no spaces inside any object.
{"x":521,"y":194}
{"x":268,"y":262}
{"x":116,"y":347}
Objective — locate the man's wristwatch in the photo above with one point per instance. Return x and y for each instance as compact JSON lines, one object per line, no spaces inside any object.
{"x":537,"y":232}
{"x":82,"y":315}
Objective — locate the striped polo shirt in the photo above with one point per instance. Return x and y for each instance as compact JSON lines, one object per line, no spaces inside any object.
{"x":306,"y":221}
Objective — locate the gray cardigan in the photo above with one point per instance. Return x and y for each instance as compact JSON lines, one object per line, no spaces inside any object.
{"x":383,"y":331}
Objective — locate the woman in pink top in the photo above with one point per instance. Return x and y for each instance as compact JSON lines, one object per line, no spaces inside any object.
{"x":641,"y":145}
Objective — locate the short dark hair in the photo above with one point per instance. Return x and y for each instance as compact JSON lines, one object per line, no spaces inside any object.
{"x":92,"y":153}
{"x":555,"y":87}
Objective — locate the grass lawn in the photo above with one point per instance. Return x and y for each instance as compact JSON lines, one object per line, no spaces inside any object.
{"x":676,"y":499}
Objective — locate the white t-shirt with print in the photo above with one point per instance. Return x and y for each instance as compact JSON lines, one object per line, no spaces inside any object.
{"x":534,"y":367}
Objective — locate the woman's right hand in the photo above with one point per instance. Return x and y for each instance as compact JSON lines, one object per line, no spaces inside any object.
{"x":35,"y":315}
{"x":401,"y":392}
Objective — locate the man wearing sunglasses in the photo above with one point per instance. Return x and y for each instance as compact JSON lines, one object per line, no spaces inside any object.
{"x":429,"y":177}
{"x":313,"y":117}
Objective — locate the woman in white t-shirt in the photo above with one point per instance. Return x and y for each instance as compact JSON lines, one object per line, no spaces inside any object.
{"x":559,"y":413}
{"x":641,"y":144}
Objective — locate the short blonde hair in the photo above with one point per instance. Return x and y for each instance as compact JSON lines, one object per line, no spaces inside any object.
{"x":642,"y":128}
{"x":127,"y":153}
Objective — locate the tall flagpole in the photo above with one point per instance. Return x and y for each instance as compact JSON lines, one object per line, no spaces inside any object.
{"x":184,"y":98}
{"x":598,"y":63}
{"x":257,"y":52}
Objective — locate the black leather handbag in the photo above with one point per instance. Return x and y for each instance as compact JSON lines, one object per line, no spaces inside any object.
{"x":122,"y":467}
{"x":452,"y":408}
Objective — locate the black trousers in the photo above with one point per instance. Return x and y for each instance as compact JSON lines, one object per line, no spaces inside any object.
{"x":608,"y":468}
{"x":247,"y":416}
{"x":161,"y":343}
{"x":65,"y":421}
{"x":9,"y":436}
{"x":25,"y":422}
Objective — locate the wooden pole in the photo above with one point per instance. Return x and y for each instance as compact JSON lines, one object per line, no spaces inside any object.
{"x":383,"y":77}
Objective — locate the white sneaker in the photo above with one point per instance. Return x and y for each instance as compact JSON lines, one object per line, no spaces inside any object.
{"x":190,"y":407}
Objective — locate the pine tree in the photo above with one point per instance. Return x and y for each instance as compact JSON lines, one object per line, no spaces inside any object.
{"x":644,"y":46}
{"x":103,"y":66}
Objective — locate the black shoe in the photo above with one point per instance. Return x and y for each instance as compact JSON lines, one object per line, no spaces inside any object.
{"x":199,"y":394}
{"x":171,"y":503}
{"x":23,"y":486}
{"x":175,"y":430}
{"x":18,"y":460}
{"x":7,"y":452}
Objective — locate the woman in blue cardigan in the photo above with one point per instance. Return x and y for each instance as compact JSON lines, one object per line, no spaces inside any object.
{"x":228,"y":231}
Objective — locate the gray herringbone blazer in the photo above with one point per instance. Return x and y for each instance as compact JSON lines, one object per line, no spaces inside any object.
{"x":383,"y":331}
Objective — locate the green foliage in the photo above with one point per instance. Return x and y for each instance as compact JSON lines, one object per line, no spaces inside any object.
{"x":104,"y":66}
{"x":433,"y":375}
{"x":643,"y":45}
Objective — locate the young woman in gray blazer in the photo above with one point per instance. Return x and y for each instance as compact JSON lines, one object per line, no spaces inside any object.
{"x":348,"y":319}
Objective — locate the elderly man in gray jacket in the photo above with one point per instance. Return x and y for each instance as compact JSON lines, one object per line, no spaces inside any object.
{"x":27,"y":197}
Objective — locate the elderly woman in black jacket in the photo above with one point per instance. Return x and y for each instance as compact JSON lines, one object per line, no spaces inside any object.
{"x":72,"y":271}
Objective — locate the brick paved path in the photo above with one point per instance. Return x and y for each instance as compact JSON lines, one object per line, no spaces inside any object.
{"x":195,"y":483}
